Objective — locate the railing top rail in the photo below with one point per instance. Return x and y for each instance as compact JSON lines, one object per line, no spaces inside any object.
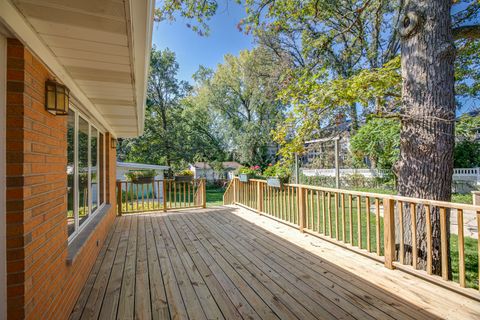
{"x":436,"y":203}
{"x":172,"y":180}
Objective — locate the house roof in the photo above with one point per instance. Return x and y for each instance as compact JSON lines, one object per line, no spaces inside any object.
{"x":133,"y":165}
{"x":99,"y":49}
{"x":226,"y":165}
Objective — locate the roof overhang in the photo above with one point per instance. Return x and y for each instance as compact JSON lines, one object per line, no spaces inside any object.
{"x":99,"y":49}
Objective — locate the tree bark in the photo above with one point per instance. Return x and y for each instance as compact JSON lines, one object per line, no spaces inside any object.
{"x":425,"y":166}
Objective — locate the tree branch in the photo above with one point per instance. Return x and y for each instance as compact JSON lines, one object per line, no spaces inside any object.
{"x":467,"y":32}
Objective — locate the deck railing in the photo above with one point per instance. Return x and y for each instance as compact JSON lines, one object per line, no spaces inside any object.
{"x":385,"y":227}
{"x":160,"y":195}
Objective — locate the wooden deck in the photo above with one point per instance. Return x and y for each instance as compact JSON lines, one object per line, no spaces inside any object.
{"x":230,"y":263}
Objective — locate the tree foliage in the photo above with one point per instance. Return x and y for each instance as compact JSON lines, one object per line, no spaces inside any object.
{"x":241,"y":96}
{"x":467,"y":148}
{"x":176,"y":131}
{"x":379,"y":140}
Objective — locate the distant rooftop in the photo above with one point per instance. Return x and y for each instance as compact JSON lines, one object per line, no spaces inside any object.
{"x":226,"y":165}
{"x":133,"y":165}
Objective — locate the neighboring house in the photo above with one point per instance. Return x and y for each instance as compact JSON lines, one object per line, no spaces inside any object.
{"x":204,"y":170}
{"x":58,"y":166}
{"x":124,"y":167}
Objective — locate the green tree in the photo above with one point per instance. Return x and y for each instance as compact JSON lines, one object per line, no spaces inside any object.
{"x":241,"y":96}
{"x":467,"y":154}
{"x":175,"y":129}
{"x":379,"y":140}
{"x":467,"y":148}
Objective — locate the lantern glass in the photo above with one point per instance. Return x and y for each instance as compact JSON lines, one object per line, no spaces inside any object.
{"x":56,"y":98}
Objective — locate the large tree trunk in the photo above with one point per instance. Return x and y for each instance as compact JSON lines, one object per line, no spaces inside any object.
{"x":427,"y":134}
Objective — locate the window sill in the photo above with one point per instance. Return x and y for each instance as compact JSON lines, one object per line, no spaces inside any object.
{"x":76,"y":246}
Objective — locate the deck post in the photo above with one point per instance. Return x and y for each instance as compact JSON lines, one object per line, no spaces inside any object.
{"x":164,"y":191}
{"x":301,"y":208}
{"x":119,"y":197}
{"x":389,"y":231}
{"x":259,"y":197}
{"x":204,"y":193}
{"x":234,"y":190}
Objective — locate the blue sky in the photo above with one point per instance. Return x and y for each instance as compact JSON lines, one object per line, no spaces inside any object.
{"x":193,"y":50}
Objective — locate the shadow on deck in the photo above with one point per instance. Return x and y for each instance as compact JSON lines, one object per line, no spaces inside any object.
{"x":230,"y":263}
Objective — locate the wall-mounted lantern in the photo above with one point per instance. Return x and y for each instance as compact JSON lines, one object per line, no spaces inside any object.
{"x":57,"y":98}
{"x":113,"y":143}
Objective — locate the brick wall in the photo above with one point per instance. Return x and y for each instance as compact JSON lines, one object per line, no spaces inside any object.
{"x":40,"y":284}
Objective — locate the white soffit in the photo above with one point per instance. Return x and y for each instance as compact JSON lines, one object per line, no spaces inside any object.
{"x":103,"y":46}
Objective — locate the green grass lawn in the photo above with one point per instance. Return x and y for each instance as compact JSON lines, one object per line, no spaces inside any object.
{"x":214,"y":197}
{"x":456,"y":197}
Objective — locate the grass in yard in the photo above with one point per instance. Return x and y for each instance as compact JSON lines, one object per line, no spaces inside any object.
{"x":456,"y":197}
{"x":471,"y":260}
{"x":214,"y":197}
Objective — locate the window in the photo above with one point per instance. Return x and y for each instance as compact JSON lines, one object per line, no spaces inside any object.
{"x":94,"y":172}
{"x":102,"y":168}
{"x":83,"y":155}
{"x":70,"y":172}
{"x":85,"y":171}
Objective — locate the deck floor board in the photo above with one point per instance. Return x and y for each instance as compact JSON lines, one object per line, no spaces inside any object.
{"x":230,"y":263}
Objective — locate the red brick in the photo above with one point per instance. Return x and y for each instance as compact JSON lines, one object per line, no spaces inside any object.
{"x":36,"y":188}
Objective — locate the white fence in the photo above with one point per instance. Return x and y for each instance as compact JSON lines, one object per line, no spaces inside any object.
{"x":368,"y":173}
{"x":471,"y":174}
{"x":464,"y":179}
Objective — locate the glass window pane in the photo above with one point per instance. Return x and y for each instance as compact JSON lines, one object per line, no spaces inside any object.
{"x":82,"y":170}
{"x":70,"y":172}
{"x":94,"y":167}
{"x":102,"y":168}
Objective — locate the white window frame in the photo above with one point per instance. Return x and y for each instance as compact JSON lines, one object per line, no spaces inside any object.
{"x":78,"y":228}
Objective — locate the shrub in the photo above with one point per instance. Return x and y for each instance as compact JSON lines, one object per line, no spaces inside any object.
{"x":252,"y":171}
{"x":185,"y":172}
{"x":278,"y":171}
{"x":138,"y":174}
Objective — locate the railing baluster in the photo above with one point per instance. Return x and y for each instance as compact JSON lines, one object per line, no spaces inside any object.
{"x":429,"y":238}
{"x":312,"y":214}
{"x":344,"y":235}
{"x":329,"y":212}
{"x":401,"y":235}
{"x":377,"y":223}
{"x":317,"y":193}
{"x":367,"y":213}
{"x":126,"y":197}
{"x":359,"y":221}
{"x":143,"y":197}
{"x":336,"y":217}
{"x":413,"y":214}
{"x":287,"y":203}
{"x":350,"y":212}
{"x":324,"y":209}
{"x":443,"y":242}
{"x":184,"y":194}
{"x":164,"y":192}
{"x":136,"y":196}
{"x":461,"y":248}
